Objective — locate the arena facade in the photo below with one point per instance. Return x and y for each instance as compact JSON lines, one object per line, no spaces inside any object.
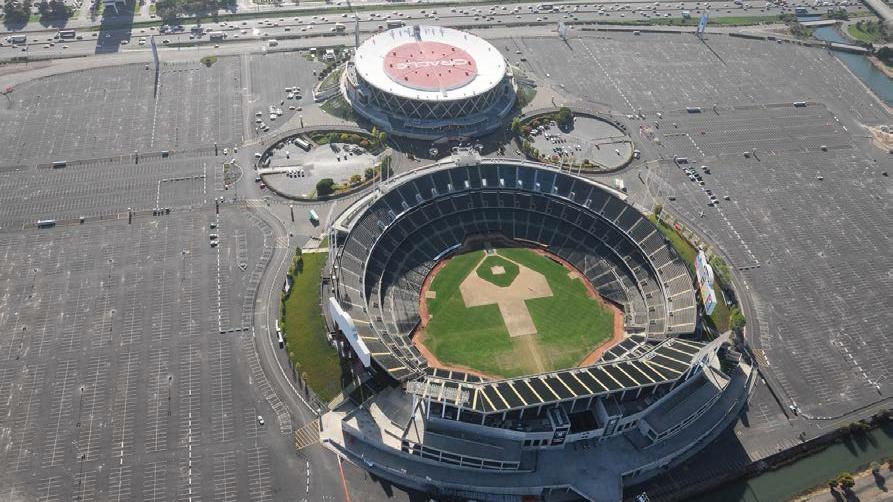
{"x":429,"y":83}
{"x":649,"y":402}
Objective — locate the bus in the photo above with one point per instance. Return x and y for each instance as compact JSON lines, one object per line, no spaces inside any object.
{"x":545,"y":7}
{"x":66,"y":34}
{"x":314,"y":218}
{"x":279,"y":335}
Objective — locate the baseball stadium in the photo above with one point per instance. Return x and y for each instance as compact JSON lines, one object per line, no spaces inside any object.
{"x":428,"y":83}
{"x":524,"y":324}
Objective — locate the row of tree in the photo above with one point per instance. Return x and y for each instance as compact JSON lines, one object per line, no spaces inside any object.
{"x":172,"y":10}
{"x":19,"y":11}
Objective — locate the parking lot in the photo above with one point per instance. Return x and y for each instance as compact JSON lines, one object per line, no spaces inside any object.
{"x":105,"y":189}
{"x":115,"y":375}
{"x":589,"y":139}
{"x":269,"y":76}
{"x":806,"y":222}
{"x":618,"y":70}
{"x":298,"y":172}
{"x":105,"y":112}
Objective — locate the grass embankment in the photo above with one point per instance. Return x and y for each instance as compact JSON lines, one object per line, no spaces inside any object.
{"x":869,"y":31}
{"x":569,"y":324}
{"x":687,"y":252}
{"x":338,"y":107}
{"x":314,"y":359}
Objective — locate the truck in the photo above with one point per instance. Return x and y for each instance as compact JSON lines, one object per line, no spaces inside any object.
{"x":66,"y":34}
{"x":395,"y":24}
{"x":17,"y":39}
{"x":686,"y":14}
{"x":801,"y":11}
{"x":338,"y":28}
{"x":216,"y":35}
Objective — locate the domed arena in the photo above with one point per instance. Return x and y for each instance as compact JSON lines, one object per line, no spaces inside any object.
{"x":428,"y":83}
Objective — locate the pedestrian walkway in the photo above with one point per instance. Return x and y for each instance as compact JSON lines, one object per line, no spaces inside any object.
{"x":308,"y":435}
{"x":869,"y":487}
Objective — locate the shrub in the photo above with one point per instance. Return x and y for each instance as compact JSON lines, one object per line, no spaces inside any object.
{"x":369,"y":173}
{"x":208,"y":60}
{"x":325,"y":186}
{"x":736,"y":320}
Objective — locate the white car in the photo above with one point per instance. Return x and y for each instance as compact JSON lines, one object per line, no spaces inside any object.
{"x":260,"y":420}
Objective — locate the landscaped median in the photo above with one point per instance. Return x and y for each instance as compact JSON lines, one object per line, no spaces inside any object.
{"x":315,"y":363}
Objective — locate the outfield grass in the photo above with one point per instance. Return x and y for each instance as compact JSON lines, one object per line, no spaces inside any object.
{"x":305,"y":330}
{"x":570,"y":324}
{"x":485,"y":271}
{"x":720,"y":316}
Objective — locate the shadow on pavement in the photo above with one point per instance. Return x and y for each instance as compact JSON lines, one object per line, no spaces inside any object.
{"x":116,"y":27}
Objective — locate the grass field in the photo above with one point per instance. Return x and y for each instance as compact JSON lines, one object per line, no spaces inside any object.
{"x":305,"y":330}
{"x":569,"y":324}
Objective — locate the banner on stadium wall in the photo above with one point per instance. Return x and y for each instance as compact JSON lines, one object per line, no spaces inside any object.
{"x":705,"y":282}
{"x":708,"y":297}
{"x":703,"y":270}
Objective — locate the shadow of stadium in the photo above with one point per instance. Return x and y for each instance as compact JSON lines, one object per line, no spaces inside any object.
{"x":115,"y":28}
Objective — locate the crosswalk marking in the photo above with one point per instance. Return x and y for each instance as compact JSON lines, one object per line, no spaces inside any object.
{"x":308,"y":435}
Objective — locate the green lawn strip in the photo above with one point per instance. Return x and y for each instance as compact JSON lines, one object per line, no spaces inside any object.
{"x":720,"y":317}
{"x":485,"y":271}
{"x":570,"y":323}
{"x":305,"y":330}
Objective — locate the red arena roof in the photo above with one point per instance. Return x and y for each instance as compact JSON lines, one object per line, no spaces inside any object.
{"x":430,"y":66}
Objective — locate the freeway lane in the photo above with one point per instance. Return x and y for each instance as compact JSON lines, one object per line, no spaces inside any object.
{"x":258,"y":32}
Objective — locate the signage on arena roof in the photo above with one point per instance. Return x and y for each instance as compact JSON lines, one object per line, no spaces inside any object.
{"x":430,"y":66}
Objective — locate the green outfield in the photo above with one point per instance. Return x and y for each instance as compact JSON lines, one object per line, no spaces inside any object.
{"x":569,"y":324}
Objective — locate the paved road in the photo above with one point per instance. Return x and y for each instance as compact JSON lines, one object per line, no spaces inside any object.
{"x":255,"y":33}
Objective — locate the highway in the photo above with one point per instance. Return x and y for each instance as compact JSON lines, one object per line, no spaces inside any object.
{"x":256,"y":34}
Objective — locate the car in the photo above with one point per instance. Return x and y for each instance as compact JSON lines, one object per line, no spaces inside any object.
{"x":165,"y":42}
{"x":263,"y":186}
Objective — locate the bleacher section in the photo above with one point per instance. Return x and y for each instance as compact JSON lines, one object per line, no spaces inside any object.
{"x":396,"y":240}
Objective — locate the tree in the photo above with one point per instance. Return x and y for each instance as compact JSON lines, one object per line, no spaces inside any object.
{"x":516,"y":125}
{"x":325,"y":186}
{"x":53,"y":9}
{"x":17,"y":11}
{"x":565,"y":116}
{"x":846,"y":480}
{"x":382,"y":138}
{"x":736,"y":320}
{"x":356,"y":179}
{"x":658,"y":208}
{"x":833,"y":484}
{"x":369,"y":173}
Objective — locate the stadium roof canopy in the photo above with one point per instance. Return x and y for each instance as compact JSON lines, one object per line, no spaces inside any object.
{"x":430,"y":63}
